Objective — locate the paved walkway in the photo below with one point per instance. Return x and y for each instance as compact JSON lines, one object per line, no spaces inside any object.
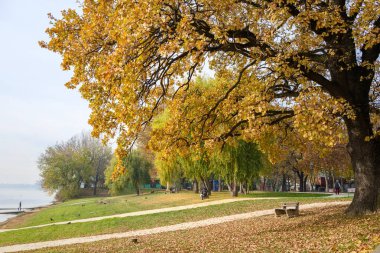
{"x":341,"y":195}
{"x":130,"y":214}
{"x":181,"y":226}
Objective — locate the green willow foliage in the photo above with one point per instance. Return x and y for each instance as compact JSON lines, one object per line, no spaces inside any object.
{"x":137,"y":173}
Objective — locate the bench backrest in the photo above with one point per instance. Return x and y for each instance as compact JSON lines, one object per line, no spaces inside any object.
{"x":350,"y":189}
{"x":291,"y":204}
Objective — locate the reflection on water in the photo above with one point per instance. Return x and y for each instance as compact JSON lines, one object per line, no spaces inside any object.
{"x":29,"y":195}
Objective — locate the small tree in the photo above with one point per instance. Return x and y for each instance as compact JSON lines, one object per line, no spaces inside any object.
{"x":64,"y":168}
{"x":137,"y":168}
{"x":67,"y":165}
{"x":99,"y":155}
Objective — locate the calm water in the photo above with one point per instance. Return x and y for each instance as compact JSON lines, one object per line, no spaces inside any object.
{"x":29,"y":195}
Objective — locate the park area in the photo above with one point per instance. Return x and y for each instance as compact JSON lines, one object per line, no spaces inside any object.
{"x":182,"y":222}
{"x":192,"y":126}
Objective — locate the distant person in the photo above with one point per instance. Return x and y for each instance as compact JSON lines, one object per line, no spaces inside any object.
{"x":337,"y":187}
{"x":19,"y":206}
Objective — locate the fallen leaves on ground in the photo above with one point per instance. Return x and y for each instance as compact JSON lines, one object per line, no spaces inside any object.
{"x":318,"y":230}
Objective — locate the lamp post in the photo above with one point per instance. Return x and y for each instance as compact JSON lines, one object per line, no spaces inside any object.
{"x":311,"y":176}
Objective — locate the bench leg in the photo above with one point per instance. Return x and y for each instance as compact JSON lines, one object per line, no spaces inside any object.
{"x":292,"y":212}
{"x":279,"y":212}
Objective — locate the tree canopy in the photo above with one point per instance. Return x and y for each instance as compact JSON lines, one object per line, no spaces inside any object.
{"x":310,"y":65}
{"x":67,"y":165}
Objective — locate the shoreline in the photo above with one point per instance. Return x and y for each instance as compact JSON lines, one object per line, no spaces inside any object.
{"x":18,"y":217}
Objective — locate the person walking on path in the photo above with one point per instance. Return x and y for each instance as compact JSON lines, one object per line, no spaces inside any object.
{"x":337,"y":187}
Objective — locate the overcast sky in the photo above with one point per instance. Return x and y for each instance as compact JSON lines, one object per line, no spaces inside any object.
{"x":36,"y":110}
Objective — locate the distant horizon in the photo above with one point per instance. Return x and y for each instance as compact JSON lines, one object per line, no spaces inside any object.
{"x":22,"y":184}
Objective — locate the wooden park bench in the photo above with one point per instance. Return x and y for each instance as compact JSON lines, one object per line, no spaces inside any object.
{"x":291,"y":209}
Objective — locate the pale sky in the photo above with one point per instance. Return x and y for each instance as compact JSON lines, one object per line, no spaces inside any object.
{"x":36,"y":110}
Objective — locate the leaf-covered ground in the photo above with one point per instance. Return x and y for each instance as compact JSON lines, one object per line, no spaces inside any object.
{"x":320,"y":230}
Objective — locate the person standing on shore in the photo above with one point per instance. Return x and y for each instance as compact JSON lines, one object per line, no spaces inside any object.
{"x":337,"y":187}
{"x":19,"y":206}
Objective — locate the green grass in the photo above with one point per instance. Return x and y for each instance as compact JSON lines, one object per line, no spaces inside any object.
{"x":55,"y":232}
{"x":96,"y":207}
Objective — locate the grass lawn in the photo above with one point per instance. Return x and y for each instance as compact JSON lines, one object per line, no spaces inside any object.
{"x":146,"y":221}
{"x":95,"y":207}
{"x":321,"y":230}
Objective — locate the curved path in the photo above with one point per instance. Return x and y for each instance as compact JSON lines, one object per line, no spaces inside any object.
{"x":181,"y":226}
{"x":152,"y":211}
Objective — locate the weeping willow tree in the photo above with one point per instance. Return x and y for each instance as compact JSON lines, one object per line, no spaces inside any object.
{"x":238,"y":164}
{"x":137,"y":168}
{"x":169,"y":170}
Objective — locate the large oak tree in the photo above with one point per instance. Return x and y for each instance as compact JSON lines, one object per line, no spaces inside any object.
{"x":312,"y":62}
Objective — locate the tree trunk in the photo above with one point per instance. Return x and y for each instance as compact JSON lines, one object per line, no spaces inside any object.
{"x":220,"y":184}
{"x":97,"y":176}
{"x":195,"y":186}
{"x":206,"y":184}
{"x":167,"y":186}
{"x":300,"y":175}
{"x":137,"y":188}
{"x":304,"y":183}
{"x":96,"y":181}
{"x":234,"y":188}
{"x":288,"y":184}
{"x":235,"y":191}
{"x":283,"y":187}
{"x":264,"y":185}
{"x":365,"y":159}
{"x":209,"y":186}
{"x":229,"y":187}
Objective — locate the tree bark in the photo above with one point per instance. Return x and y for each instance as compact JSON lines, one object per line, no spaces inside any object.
{"x":137,"y":188}
{"x":234,"y":188}
{"x":229,"y":187}
{"x":264,"y":185}
{"x":284,"y":188}
{"x":365,"y":159}
{"x":195,"y":186}
{"x":235,"y":191}
{"x":301,"y":176}
{"x":304,"y":183}
{"x":220,"y":184}
{"x":96,"y":181}
{"x":209,"y":186}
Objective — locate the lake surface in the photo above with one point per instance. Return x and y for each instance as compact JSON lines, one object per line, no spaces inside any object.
{"x":29,"y":195}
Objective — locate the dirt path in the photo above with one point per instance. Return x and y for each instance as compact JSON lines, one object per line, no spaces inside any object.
{"x":181,"y":226}
{"x":153,"y":211}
